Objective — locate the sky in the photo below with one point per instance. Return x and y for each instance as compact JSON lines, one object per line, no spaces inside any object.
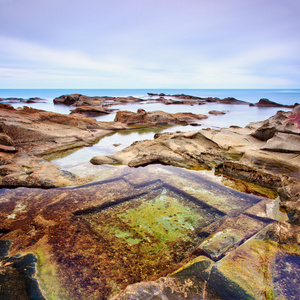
{"x":149,"y":44}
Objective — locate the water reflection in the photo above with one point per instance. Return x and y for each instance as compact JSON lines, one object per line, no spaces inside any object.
{"x":109,"y":144}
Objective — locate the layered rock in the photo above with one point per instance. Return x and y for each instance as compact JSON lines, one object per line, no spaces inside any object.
{"x":91,"y":111}
{"x":35,"y":130}
{"x":82,"y":100}
{"x":261,"y":152}
{"x":30,"y":131}
{"x":154,"y":118}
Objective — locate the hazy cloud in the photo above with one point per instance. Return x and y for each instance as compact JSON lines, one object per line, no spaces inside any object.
{"x":149,"y":44}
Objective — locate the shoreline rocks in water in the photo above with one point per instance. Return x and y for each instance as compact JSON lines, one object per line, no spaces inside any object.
{"x":22,"y":100}
{"x":93,"y":111}
{"x":154,"y":118}
{"x":27,"y":132}
{"x":82,"y":100}
{"x":187,"y":99}
{"x":100,"y":103}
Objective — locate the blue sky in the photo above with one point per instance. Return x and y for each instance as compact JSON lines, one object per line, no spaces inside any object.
{"x":149,"y":44}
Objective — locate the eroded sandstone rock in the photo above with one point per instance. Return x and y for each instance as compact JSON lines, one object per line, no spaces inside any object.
{"x":154,"y":118}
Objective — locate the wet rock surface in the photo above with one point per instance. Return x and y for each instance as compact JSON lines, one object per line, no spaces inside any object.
{"x":17,"y":275}
{"x":141,"y":224}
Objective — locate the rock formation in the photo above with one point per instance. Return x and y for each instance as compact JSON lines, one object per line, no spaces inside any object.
{"x":82,"y":100}
{"x":91,"y":111}
{"x":261,"y":152}
{"x":267,"y":103}
{"x":29,"y":131}
{"x":154,"y":118}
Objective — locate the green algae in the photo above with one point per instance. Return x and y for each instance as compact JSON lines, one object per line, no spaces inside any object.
{"x":250,"y":267}
{"x":48,"y":276}
{"x":249,"y":187}
{"x":164,"y":218}
{"x":154,"y":231}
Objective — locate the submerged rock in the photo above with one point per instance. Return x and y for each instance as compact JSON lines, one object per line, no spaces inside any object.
{"x":17,"y":276}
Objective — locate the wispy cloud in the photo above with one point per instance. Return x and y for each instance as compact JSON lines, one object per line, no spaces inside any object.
{"x":100,"y":44}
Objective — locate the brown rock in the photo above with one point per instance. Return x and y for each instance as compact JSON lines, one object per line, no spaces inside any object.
{"x":141,"y":117}
{"x":231,"y":100}
{"x":267,"y":103}
{"x":81,"y":100}
{"x":216,"y":112}
{"x":91,"y":111}
{"x":6,"y":140}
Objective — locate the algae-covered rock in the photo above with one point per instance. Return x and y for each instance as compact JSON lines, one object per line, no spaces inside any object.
{"x":17,"y":275}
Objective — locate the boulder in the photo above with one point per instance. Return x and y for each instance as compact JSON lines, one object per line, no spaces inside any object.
{"x":216,"y":112}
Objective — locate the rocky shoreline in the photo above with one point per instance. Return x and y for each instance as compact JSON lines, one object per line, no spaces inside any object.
{"x":245,"y":247}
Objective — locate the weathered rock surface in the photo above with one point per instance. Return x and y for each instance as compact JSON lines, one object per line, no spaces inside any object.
{"x":30,"y":171}
{"x":86,"y":251}
{"x":141,"y":117}
{"x":248,"y":153}
{"x":95,"y":240}
{"x":91,"y":111}
{"x":34,"y":131}
{"x":81,"y":100}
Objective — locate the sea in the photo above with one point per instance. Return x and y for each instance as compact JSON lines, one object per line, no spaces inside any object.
{"x":238,"y":115}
